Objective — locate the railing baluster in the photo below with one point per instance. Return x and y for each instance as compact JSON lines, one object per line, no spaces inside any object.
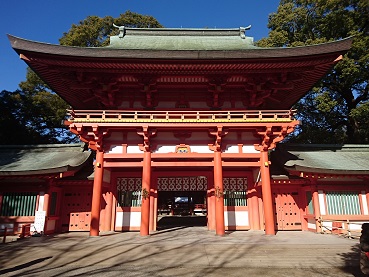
{"x":196,"y":116}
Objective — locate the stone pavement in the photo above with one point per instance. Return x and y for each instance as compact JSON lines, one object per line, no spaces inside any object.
{"x":182,"y":251}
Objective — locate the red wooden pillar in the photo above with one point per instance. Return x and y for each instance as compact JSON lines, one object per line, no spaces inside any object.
{"x":267,"y":193}
{"x":219,"y":202}
{"x":108,"y":210}
{"x":316,"y":208}
{"x":145,"y":205}
{"x":210,"y":206}
{"x":152,"y":209}
{"x":96,"y":194}
{"x":254,"y":210}
{"x":46,"y":202}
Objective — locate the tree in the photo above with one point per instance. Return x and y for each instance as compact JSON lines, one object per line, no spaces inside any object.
{"x":31,"y":118}
{"x":94,"y":31}
{"x":336,"y":110}
{"x":34,"y":114}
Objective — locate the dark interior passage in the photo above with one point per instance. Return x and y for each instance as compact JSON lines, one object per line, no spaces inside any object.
{"x":181,"y":208}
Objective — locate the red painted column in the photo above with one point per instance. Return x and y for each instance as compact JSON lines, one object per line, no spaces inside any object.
{"x":152,"y":209}
{"x":210,"y":206}
{"x":316,"y":209}
{"x":267,"y":193}
{"x":108,"y":210}
{"x":254,"y":210}
{"x":145,"y":205}
{"x":219,"y":197}
{"x":46,"y":202}
{"x":96,"y":194}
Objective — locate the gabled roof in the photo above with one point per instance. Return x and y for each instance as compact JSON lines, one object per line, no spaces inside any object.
{"x":27,"y":160}
{"x":298,"y":159}
{"x":195,"y":60}
{"x":181,"y":39}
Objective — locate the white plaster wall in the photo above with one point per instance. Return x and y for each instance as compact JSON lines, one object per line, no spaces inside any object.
{"x":249,"y":149}
{"x":365,"y":203}
{"x":236,"y":218}
{"x":41,"y":201}
{"x":231,"y":149}
{"x":200,"y":149}
{"x":166,"y":149}
{"x":311,"y":224}
{"x":128,"y":219}
{"x":116,"y":149}
{"x":133,"y":149}
{"x":321,"y":202}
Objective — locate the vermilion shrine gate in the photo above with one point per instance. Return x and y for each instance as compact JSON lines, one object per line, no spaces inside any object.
{"x":181,"y":112}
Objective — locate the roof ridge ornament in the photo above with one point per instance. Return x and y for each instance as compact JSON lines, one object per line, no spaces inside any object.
{"x":122,"y":30}
{"x":243,"y":31}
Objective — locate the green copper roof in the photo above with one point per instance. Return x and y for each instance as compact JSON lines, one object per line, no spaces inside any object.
{"x":328,"y":159}
{"x":41,"y":159}
{"x":181,"y":39}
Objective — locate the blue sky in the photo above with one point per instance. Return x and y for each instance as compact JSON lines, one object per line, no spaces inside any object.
{"x":47,"y":20}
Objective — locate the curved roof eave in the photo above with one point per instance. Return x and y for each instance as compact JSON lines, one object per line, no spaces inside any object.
{"x":327,"y":171}
{"x":21,"y":45}
{"x":42,"y":159}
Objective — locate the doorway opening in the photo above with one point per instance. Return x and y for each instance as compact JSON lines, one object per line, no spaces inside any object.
{"x":181,"y":209}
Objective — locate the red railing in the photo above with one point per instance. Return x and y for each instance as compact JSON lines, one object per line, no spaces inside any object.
{"x":178,"y":117}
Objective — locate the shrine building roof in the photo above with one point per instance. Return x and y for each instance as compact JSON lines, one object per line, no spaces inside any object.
{"x":181,"y":39}
{"x":221,"y":64}
{"x":310,"y":159}
{"x":27,"y":160}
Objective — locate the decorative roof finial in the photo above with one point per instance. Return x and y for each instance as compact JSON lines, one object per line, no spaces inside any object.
{"x":122,"y":30}
{"x":243,"y":31}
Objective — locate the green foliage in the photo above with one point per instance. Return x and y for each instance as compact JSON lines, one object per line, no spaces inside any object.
{"x":94,"y":31}
{"x":334,"y":110}
{"x":34,"y":114}
{"x":32,"y":118}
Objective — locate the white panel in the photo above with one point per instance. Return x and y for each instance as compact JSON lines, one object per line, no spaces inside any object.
{"x":242,"y":218}
{"x":119,"y":219}
{"x":128,"y":219}
{"x":365,"y":203}
{"x":311,"y":226}
{"x":116,"y":149}
{"x":135,"y":219}
{"x":200,"y":149}
{"x":41,"y":201}
{"x":321,"y":202}
{"x":166,"y":149}
{"x":236,"y":218}
{"x":249,"y":149}
{"x":133,"y":149}
{"x":232,"y":149}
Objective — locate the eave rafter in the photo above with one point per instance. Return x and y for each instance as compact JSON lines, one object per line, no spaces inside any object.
{"x":271,"y":135}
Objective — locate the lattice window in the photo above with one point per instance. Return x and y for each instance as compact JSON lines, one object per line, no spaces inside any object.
{"x":235,"y":184}
{"x":18,"y":204}
{"x":343,"y":202}
{"x":129,"y":192}
{"x":235,"y":191}
{"x":191,"y":183}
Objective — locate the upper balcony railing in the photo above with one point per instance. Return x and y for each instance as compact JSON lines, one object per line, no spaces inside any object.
{"x":120,"y":116}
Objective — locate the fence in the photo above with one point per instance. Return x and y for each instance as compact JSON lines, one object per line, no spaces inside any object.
{"x":24,"y":232}
{"x":341,"y":227}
